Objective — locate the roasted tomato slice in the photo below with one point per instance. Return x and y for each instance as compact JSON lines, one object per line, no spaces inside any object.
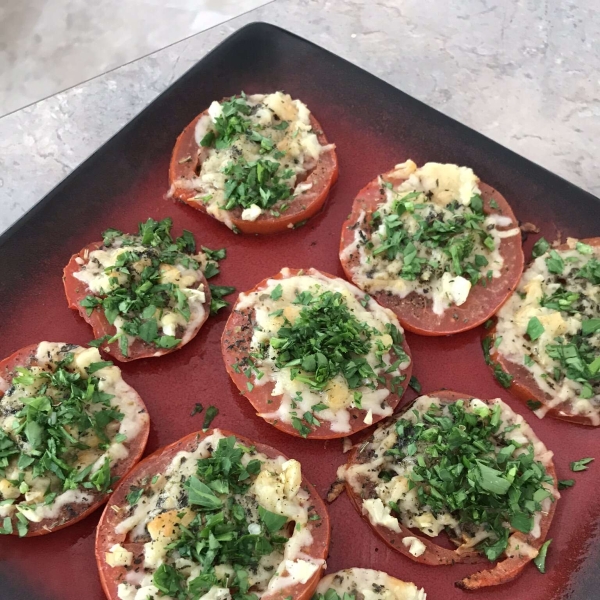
{"x":217,"y":485}
{"x":314,"y":355}
{"x":440,"y":232}
{"x":397,"y":452}
{"x":556,"y":298}
{"x":314,"y":175}
{"x":45,"y":395}
{"x":357,"y":581}
{"x":165,"y":331}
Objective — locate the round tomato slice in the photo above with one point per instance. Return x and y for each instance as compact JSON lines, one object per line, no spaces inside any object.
{"x":433,"y":554}
{"x":72,"y":512}
{"x":523,"y":384}
{"x":414,"y":310}
{"x":106,"y":536}
{"x":77,"y":290}
{"x":353,"y":581}
{"x":235,"y":346}
{"x":186,"y":163}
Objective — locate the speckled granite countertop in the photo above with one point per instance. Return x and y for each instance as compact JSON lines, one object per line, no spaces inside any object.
{"x":525,"y":74}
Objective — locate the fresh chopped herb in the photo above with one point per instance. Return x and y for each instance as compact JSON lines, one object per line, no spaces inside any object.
{"x":260,"y":182}
{"x":534,"y":404}
{"x":563,"y":484}
{"x":590,"y":326}
{"x":300,"y":427}
{"x":534,"y":329}
{"x":540,"y":247}
{"x":503,"y":378}
{"x":325,"y":340}
{"x":211,"y":413}
{"x":583,"y":248}
{"x":555,"y":263}
{"x":143,"y":284}
{"x":93,"y":367}
{"x":415,"y":384}
{"x":198,"y":408}
{"x":134,"y":495}
{"x":273,"y":522}
{"x":217,"y":292}
{"x":463,"y":464}
{"x":581,"y":464}
{"x":277,"y":292}
{"x":540,"y":560}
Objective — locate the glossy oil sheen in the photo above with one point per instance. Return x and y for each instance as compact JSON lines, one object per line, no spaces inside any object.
{"x":374,"y":127}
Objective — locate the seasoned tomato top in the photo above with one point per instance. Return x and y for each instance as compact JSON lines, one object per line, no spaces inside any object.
{"x":434,"y":244}
{"x":316,"y":356}
{"x":548,"y":332}
{"x":213,"y":514}
{"x":258,"y":163}
{"x":454,"y":464}
{"x":145,"y":294}
{"x":69,"y":428}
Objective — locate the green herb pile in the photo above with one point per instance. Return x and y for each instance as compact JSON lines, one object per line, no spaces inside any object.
{"x":218,"y":534}
{"x":326,"y":340}
{"x":464,"y":465}
{"x":142,"y":297}
{"x":577,"y":356}
{"x":264,"y":182}
{"x":458,"y":231}
{"x":331,"y":594}
{"x":50,"y":429}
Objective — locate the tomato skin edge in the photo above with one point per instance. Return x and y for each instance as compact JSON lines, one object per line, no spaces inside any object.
{"x":111,"y":576}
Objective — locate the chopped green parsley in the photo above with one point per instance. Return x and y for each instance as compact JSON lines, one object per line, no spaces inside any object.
{"x":55,"y":415}
{"x":468,"y":467}
{"x":139,"y":296}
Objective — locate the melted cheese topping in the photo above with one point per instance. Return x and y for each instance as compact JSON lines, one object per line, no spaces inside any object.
{"x":513,"y":318}
{"x":31,"y":504}
{"x":277,"y":488}
{"x":297,"y":141}
{"x":337,"y":396}
{"x":96,"y":274}
{"x":367,"y":584}
{"x":412,"y":514}
{"x":436,"y":186}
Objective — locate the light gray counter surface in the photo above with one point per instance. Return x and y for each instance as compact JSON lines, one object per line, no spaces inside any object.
{"x":525,"y":73}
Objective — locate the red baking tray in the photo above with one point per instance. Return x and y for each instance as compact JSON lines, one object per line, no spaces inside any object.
{"x":374,"y":126}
